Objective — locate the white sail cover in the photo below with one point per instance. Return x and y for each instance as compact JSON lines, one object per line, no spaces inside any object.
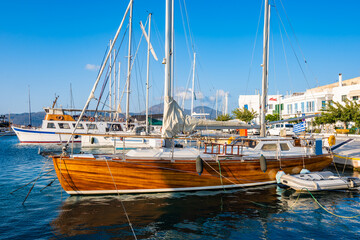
{"x":174,"y":120}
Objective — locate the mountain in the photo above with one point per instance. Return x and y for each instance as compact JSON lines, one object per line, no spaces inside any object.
{"x":23,"y":118}
{"x":37,"y":117}
{"x":158,"y":109}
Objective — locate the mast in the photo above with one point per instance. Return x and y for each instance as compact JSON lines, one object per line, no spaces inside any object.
{"x":265,"y":69}
{"x":129,"y":70}
{"x":193,"y":87}
{"x":118,"y":93}
{"x":30,"y":124}
{"x":172,"y":48}
{"x":114,"y":89}
{"x":226,"y":103}
{"x":147,"y":77}
{"x":110,"y":80}
{"x":168,"y":63}
{"x":92,"y":95}
{"x":216,"y":103}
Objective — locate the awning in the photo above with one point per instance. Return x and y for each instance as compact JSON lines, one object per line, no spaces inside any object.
{"x":354,"y":93}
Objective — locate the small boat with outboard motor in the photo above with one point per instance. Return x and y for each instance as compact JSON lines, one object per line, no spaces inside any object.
{"x":319,"y":181}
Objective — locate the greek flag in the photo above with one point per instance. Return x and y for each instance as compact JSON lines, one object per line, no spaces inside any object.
{"x":300,"y":127}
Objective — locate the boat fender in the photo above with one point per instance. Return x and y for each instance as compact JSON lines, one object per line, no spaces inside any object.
{"x":331,"y":140}
{"x":92,"y":140}
{"x":352,"y":184}
{"x":279,"y":174}
{"x":304,"y":171}
{"x":263,"y":165}
{"x":199,"y":165}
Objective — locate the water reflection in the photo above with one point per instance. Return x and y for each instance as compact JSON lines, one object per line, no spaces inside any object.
{"x":214,"y":214}
{"x":184,"y":212}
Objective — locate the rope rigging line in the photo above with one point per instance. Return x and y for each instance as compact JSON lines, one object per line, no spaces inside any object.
{"x":293,"y":49}
{"x":320,"y":205}
{"x":122,"y":204}
{"x":185,"y":30}
{"x":108,"y":70}
{"x":254,"y":46}
{"x":285,"y":56}
{"x":297,"y":41}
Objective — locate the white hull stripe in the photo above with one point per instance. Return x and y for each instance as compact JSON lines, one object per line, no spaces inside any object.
{"x":100,"y":192}
{"x":31,"y":131}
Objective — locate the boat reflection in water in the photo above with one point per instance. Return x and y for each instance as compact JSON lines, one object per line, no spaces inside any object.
{"x":261,"y":212}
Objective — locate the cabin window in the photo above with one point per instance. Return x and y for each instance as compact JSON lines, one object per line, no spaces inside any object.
{"x":80,"y":126}
{"x":284,"y":147}
{"x":116,"y":127}
{"x":50,"y":125}
{"x":269,"y":147}
{"x":64,"y":126}
{"x":91,"y":126}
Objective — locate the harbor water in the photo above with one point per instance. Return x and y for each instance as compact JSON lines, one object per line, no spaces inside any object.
{"x":265,"y":212}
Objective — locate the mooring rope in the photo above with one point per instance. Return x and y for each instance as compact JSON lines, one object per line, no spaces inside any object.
{"x":122,"y":204}
{"x":220,"y":175}
{"x":320,"y":205}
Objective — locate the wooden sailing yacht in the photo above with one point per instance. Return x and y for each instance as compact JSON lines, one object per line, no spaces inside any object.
{"x":243,"y":163}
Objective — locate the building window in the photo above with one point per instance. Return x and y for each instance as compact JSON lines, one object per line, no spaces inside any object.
{"x":313,"y":106}
{"x":302,"y":107}
{"x":50,"y":125}
{"x":343,"y":98}
{"x":323,"y":104}
{"x":271,"y":106}
{"x":296,"y":107}
{"x":355,"y":98}
{"x":246,"y":107}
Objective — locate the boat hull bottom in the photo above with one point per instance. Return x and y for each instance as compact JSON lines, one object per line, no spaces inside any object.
{"x":163,"y":190}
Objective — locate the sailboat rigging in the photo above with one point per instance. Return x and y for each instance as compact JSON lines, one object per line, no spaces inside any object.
{"x":243,"y":163}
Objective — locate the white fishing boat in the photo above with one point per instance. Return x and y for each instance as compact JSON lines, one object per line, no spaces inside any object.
{"x":58,"y":126}
{"x":319,"y":181}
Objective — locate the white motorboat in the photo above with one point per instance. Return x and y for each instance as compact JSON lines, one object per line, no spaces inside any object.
{"x":319,"y":181}
{"x":58,"y":126}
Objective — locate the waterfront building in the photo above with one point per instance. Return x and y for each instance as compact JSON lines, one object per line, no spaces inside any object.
{"x":305,"y":103}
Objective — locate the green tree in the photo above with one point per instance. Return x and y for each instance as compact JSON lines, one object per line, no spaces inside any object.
{"x":223,"y":117}
{"x":244,"y":114}
{"x":272,"y":117}
{"x":335,"y":111}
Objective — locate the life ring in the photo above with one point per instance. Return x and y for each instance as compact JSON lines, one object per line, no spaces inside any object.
{"x":331,"y":140}
{"x":230,"y":140}
{"x":60,"y":118}
{"x":91,"y":119}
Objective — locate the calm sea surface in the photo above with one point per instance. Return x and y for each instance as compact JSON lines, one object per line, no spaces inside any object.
{"x":254,"y":213}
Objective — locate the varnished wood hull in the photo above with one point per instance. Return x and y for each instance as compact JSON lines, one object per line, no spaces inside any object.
{"x":82,"y":176}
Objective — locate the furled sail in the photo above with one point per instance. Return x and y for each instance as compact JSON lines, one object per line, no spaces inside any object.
{"x":174,"y":120}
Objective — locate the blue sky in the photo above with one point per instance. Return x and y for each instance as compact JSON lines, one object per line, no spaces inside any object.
{"x":46,"y":45}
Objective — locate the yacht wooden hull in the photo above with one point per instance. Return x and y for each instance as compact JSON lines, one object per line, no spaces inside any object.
{"x":90,"y":176}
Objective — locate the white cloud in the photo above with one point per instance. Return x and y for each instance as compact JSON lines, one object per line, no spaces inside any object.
{"x":91,"y":67}
{"x":181,"y":93}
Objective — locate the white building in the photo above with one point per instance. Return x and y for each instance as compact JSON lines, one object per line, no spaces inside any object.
{"x":306,"y":103}
{"x":252,"y":102}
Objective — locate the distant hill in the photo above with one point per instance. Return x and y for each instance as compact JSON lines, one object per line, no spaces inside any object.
{"x":37,"y":117}
{"x":158,"y":109}
{"x":23,"y":118}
